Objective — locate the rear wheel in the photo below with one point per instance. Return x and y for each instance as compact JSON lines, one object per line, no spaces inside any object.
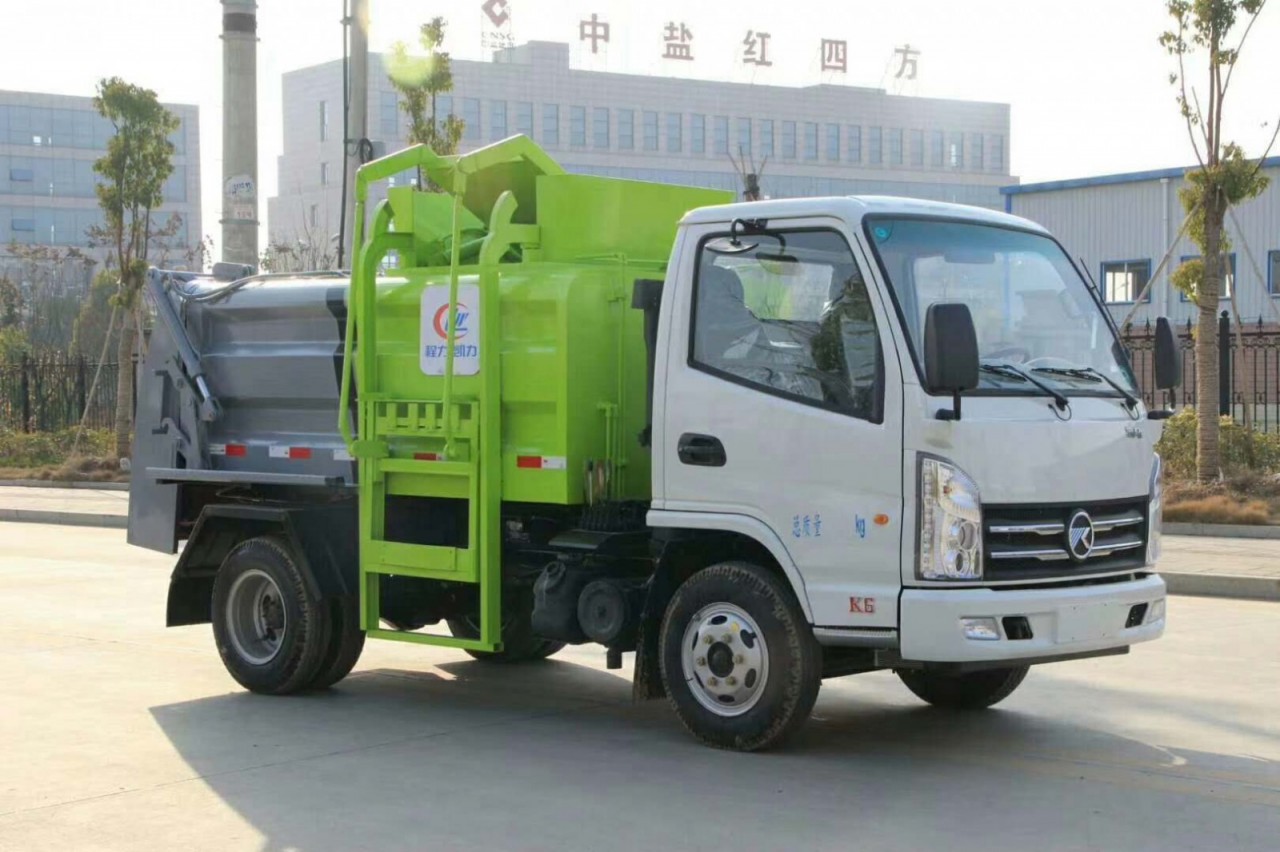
{"x":519,"y":643}
{"x":973,"y":691}
{"x":346,"y":641}
{"x":740,"y":665}
{"x":271,"y":635}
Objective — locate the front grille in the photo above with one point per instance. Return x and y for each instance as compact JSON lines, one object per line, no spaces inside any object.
{"x":1031,"y":542}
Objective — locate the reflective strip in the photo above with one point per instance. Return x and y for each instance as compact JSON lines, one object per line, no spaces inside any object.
{"x":542,"y":462}
{"x":342,"y":455}
{"x":294,"y":453}
{"x":426,"y":456}
{"x":232,"y":450}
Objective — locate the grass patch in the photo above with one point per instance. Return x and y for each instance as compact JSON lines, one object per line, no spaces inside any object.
{"x":1218,"y":509}
{"x":48,"y":456}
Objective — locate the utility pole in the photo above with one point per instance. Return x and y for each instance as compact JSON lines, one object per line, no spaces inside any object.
{"x":240,"y":131}
{"x":356,"y":131}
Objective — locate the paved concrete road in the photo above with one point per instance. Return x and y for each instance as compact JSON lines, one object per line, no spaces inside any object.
{"x":118,"y":734}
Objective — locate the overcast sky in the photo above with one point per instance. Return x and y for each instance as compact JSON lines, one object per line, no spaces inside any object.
{"x":1087,"y":82}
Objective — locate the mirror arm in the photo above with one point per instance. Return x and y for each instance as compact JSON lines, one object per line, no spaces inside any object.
{"x":954,"y":412}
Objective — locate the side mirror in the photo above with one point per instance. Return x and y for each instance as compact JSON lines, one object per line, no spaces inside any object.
{"x":950,"y":353}
{"x":1168,"y":363}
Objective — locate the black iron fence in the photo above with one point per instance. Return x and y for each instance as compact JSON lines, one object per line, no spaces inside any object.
{"x":1248,"y":369}
{"x":47,"y":394}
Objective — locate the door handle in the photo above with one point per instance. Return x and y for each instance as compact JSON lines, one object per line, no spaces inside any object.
{"x":701,"y":450}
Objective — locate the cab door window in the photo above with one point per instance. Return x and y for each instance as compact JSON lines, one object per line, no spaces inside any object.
{"x":788,"y":313}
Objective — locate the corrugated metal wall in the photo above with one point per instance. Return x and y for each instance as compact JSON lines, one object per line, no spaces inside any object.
{"x":1137,"y":221}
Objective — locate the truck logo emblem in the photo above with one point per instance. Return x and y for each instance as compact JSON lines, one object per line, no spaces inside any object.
{"x":1133,"y":432}
{"x":1080,"y":536}
{"x":441,"y":322}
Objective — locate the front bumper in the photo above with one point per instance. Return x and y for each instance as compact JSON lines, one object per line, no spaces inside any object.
{"x":1063,"y":621}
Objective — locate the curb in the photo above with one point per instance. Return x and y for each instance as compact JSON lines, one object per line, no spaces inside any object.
{"x":1223,"y":586}
{"x":49,"y":483}
{"x":1224,"y":530}
{"x":70,"y":519}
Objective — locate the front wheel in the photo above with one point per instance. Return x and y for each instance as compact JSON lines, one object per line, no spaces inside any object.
{"x":739,"y":662}
{"x":973,"y":691}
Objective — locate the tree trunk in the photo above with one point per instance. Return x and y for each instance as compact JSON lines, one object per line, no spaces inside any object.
{"x":124,"y":385}
{"x":1208,"y":460}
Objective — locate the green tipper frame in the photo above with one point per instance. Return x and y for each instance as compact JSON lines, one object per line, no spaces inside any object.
{"x":467,"y":427}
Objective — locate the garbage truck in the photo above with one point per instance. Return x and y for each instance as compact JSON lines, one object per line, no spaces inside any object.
{"x":752,"y":445}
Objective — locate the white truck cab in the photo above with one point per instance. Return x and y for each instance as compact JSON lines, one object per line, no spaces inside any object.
{"x":1007,"y":516}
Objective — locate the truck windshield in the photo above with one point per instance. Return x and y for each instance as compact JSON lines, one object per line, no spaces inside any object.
{"x":1030,"y":307}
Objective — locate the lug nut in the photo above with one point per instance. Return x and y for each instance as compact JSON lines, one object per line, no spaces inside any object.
{"x":708,"y":639}
{"x":731,"y":681}
{"x":727,"y":638}
{"x":739,"y":659}
{"x":702,"y":661}
{"x":712,"y":682}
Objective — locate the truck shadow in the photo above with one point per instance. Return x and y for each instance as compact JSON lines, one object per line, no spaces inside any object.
{"x":519,"y":757}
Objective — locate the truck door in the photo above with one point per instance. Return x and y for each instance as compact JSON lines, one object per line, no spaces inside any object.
{"x":781,"y":406}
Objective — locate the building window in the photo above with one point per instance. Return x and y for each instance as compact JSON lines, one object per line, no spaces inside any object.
{"x":854,"y":146}
{"x":524,"y":118}
{"x":577,"y":127}
{"x":788,"y":140}
{"x":471,"y":118}
{"x":626,"y":123}
{"x":19,"y":175}
{"x":600,"y":127}
{"x":650,"y":131}
{"x":22,"y":225}
{"x":811,"y":140}
{"x":675,"y":132}
{"x":875,"y":146}
{"x":324,"y":174}
{"x":975,"y":152}
{"x":1228,"y":283}
{"x":1123,"y":280}
{"x":324,"y":122}
{"x":955,"y":151}
{"x":833,"y":143}
{"x":1273,"y":272}
{"x":997,"y":153}
{"x":551,"y":125}
{"x":818,"y":296}
{"x":766,"y":138}
{"x":497,"y":120}
{"x":895,"y":146}
{"x":917,"y":149}
{"x":744,"y":136}
{"x":720,"y":134}
{"x":389,"y":115}
{"x":698,"y":133}
{"x":937,"y":148}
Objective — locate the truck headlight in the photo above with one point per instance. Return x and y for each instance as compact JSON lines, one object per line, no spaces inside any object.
{"x":1155,"y":512}
{"x":950,"y":523}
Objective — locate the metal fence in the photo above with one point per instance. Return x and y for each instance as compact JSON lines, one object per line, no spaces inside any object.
{"x":48,"y":394}
{"x":1248,"y":370}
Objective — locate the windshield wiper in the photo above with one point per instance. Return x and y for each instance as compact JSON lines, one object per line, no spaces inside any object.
{"x":1011,"y":372}
{"x":1090,"y":374}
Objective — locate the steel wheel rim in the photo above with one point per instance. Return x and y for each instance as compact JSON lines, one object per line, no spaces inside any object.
{"x":724,"y":659}
{"x":255,"y":617}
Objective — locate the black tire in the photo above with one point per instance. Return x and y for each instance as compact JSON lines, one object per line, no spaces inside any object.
{"x":791,"y":663}
{"x":299,"y":624}
{"x":346,"y":641}
{"x":973,"y":691}
{"x":519,"y":643}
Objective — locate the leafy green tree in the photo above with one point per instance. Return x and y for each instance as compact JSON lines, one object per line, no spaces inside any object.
{"x":1225,"y":177}
{"x":138,"y":161}
{"x":420,"y":80}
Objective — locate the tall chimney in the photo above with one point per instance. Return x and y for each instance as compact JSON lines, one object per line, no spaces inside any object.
{"x":240,"y":131}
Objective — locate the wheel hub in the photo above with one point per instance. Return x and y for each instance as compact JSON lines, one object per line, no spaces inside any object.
{"x":725,"y":659}
{"x":255,"y":617}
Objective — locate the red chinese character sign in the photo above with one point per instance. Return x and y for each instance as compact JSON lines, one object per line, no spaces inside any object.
{"x":677,"y":39}
{"x":756,"y":49}
{"x":594,"y":31}
{"x":835,"y":55}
